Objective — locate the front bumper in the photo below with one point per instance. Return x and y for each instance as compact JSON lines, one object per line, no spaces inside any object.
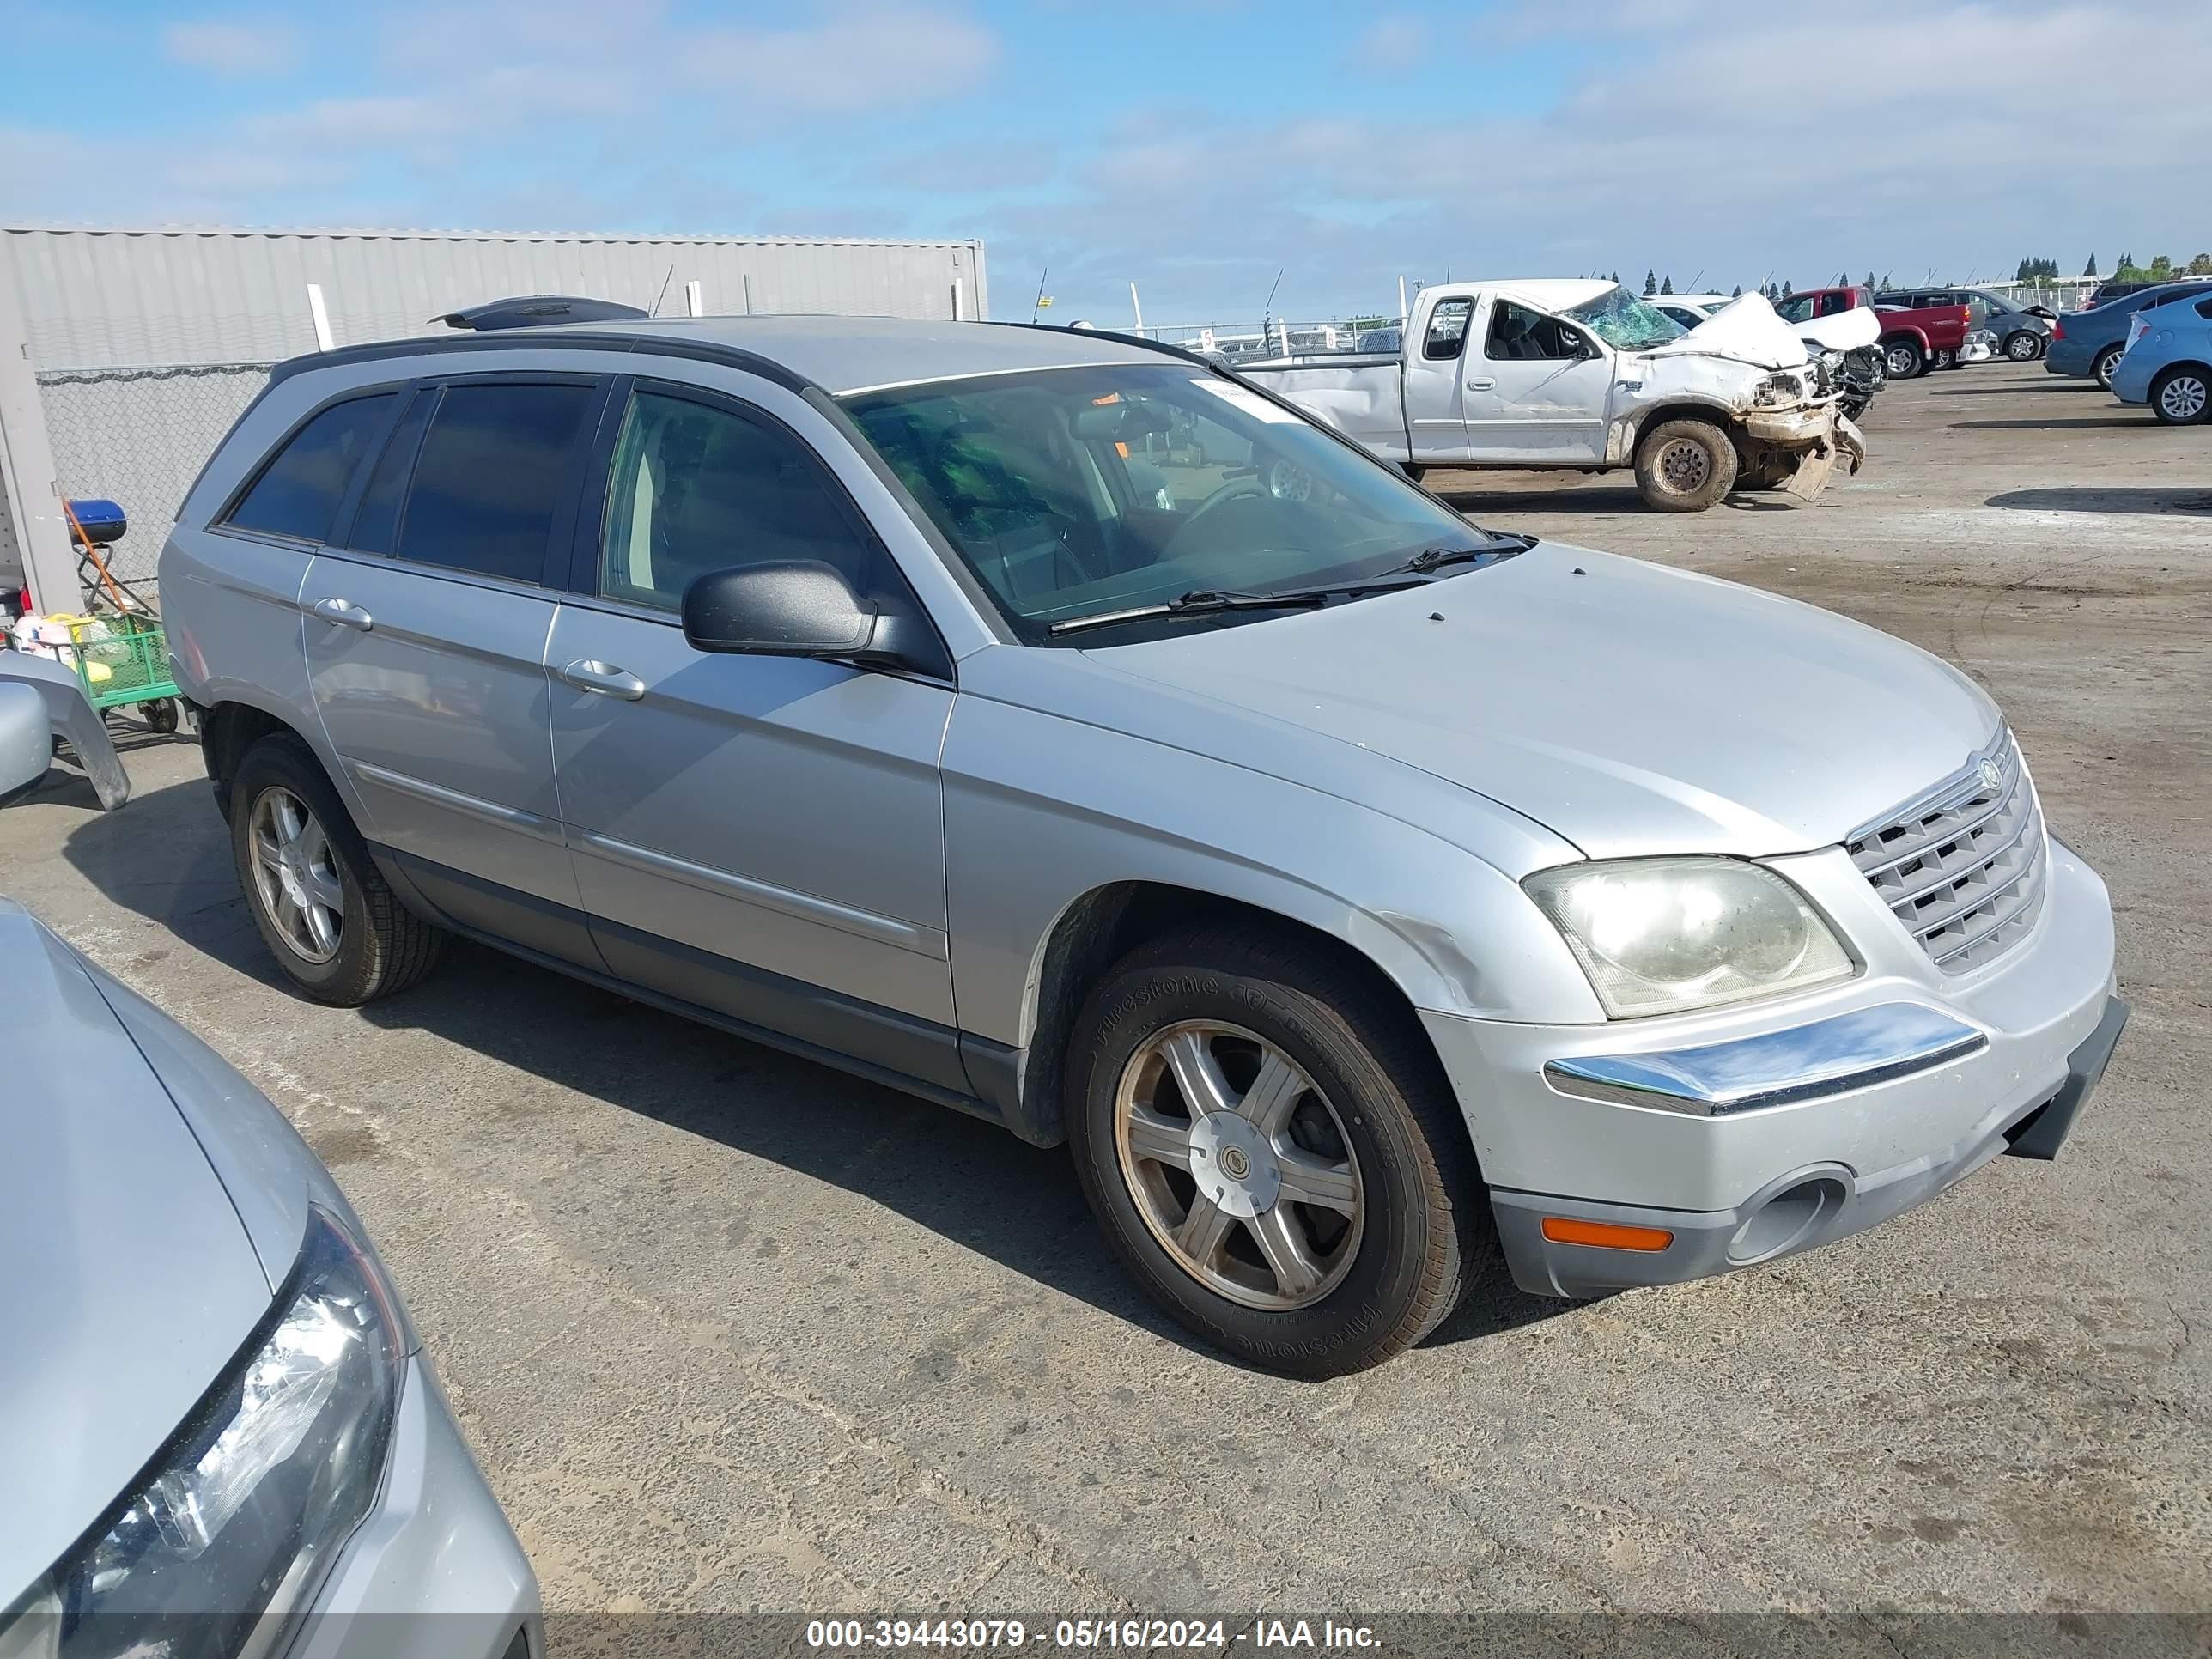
{"x":1747,"y":1134}
{"x":435,"y":1572}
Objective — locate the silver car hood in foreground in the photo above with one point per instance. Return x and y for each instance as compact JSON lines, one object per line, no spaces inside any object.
{"x":1630,"y":708}
{"x":127,"y":1281}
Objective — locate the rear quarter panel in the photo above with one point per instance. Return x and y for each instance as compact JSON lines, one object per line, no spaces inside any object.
{"x":1362,"y":397}
{"x":230,"y":601}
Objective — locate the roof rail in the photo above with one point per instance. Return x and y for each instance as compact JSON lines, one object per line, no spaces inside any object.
{"x":1169,"y":347}
{"x":536,"y":310}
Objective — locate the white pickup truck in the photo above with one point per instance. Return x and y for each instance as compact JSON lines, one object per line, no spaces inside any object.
{"x":1582,"y":374}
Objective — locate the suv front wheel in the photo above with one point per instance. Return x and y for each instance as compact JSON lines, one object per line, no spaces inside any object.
{"x":327,"y":915}
{"x":1272,"y":1151}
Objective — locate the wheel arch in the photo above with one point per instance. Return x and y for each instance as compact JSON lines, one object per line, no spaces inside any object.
{"x":231,"y":728}
{"x":1631,"y":427}
{"x":1099,"y":928}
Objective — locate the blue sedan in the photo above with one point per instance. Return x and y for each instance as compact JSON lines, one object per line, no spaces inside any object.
{"x":2089,"y":342}
{"x":2168,"y":361}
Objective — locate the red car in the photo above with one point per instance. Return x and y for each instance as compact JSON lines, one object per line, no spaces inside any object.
{"x":1913,"y":340}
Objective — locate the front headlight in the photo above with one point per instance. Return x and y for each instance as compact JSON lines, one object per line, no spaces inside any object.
{"x":245,"y":1513}
{"x":1777,"y":390}
{"x":1660,"y":936}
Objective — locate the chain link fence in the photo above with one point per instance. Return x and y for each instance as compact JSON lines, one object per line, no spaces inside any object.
{"x":139,"y":436}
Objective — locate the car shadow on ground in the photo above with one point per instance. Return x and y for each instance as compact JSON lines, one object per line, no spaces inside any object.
{"x":2142,"y":420}
{"x":2131,"y":499}
{"x":2063,"y":383}
{"x":167,"y":857}
{"x":1599,"y":498}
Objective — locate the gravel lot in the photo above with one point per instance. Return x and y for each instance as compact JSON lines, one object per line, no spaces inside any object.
{"x":729,"y":1331}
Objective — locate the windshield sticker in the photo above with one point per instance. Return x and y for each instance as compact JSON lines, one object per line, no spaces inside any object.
{"x":1249,"y":401}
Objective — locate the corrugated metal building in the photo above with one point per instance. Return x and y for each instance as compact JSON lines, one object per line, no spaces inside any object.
{"x":126,"y":354}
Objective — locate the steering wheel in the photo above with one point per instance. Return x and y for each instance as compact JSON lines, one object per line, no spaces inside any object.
{"x":1246,"y":489}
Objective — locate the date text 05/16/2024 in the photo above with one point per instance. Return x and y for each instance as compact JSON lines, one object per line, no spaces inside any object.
{"x":1129,"y":1635}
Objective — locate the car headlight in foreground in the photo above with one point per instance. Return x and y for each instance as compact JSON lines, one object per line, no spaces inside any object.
{"x":1661,"y":936}
{"x":236,"y":1524}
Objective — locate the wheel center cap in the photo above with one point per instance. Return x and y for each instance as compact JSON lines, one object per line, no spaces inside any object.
{"x":292,"y":876}
{"x":1233,"y":1165}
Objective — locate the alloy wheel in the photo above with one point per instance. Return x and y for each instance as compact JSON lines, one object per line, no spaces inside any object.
{"x":1900,"y":362}
{"x":2182,"y":399}
{"x":296,"y":875}
{"x":1239,"y":1165}
{"x":2021,"y":347}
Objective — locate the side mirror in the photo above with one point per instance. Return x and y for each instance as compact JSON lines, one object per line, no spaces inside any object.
{"x":779,"y":608}
{"x":26,"y":738}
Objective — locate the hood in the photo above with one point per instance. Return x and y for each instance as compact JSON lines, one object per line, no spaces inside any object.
{"x":1744,"y":331}
{"x":1629,"y":707}
{"x":1845,"y":330}
{"x":127,"y":1282}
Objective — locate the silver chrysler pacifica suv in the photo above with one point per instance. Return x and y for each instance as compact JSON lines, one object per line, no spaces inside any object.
{"x":1057,"y":726}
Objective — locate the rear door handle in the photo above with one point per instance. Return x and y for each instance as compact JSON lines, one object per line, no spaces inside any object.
{"x":588,"y":674}
{"x":1480,"y":386}
{"x":345,"y":614}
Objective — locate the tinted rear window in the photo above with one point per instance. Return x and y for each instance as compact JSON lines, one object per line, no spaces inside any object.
{"x":494,"y":468}
{"x":298,"y":492}
{"x":376,"y":521}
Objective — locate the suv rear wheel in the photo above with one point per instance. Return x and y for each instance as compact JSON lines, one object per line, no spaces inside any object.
{"x":1274,"y":1156}
{"x":329,"y":918}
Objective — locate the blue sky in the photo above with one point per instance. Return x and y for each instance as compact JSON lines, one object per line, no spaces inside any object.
{"x":1195,"y":149}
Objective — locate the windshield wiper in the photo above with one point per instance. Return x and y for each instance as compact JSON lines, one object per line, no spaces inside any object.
{"x":1435,"y":558}
{"x":1205,"y":601}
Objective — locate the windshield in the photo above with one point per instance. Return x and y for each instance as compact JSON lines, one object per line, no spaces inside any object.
{"x":1626,"y":323}
{"x":1074,"y":492}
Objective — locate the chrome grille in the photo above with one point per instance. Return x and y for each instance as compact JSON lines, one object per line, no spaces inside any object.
{"x":1962,"y":867}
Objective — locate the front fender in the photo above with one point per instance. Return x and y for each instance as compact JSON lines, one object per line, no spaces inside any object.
{"x":1041,"y":811}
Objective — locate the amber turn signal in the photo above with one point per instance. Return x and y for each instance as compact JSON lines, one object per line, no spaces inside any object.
{"x":1565,"y":1229}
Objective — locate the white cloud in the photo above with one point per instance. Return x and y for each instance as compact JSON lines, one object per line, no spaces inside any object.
{"x":861,"y":59}
{"x":1744,"y":138}
{"x":1762,"y":140}
{"x":236,"y":48}
{"x":1389,"y":42}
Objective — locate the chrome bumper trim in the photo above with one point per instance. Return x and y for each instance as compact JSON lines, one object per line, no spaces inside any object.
{"x":1827,"y":1057}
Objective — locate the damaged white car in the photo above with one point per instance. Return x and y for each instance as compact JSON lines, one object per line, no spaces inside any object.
{"x":1582,"y":374}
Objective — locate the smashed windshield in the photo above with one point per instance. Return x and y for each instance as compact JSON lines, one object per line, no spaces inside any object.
{"x":1626,"y":323}
{"x":1076,"y":492}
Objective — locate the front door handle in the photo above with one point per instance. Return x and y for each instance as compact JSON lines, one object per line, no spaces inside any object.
{"x":588,"y":674}
{"x":345,"y":614}
{"x":1480,"y":386}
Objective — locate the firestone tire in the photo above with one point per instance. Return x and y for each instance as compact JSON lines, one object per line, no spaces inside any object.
{"x":380,"y":947}
{"x":1391,"y":1133}
{"x":1685,"y":466}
